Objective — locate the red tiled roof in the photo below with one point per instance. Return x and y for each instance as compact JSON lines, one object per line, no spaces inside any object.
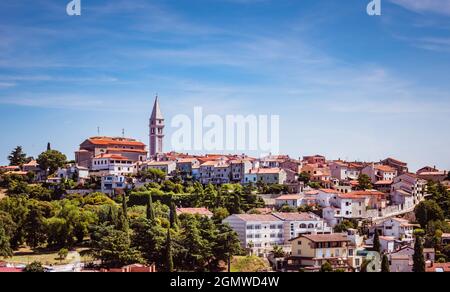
{"x":114,"y":141}
{"x":289,"y":197}
{"x":195,"y":211}
{"x":111,"y":156}
{"x":326,"y":237}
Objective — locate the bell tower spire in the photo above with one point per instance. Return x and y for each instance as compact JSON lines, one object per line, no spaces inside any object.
{"x":156,"y":130}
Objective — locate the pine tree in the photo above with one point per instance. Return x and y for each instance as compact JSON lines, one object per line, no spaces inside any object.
{"x":150,"y":210}
{"x":169,"y":257}
{"x":419,"y":260}
{"x":385,"y":265}
{"x":17,"y":157}
{"x":376,"y":242}
{"x":5,"y":247}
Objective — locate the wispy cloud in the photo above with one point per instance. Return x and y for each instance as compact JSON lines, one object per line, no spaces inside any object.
{"x":424,"y":6}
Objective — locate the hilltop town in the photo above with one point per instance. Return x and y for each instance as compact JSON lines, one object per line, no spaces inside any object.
{"x":120,"y":206}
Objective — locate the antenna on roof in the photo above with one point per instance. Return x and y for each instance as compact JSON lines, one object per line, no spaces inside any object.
{"x":98,"y":131}
{"x":123,"y":133}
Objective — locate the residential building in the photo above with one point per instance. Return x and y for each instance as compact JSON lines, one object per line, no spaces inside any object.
{"x":379,"y":172}
{"x":316,"y":159}
{"x":344,"y":171}
{"x":259,"y":233}
{"x":114,"y":164}
{"x":266,"y":175}
{"x":185,"y":165}
{"x":95,"y":146}
{"x":168,"y":167}
{"x":311,"y":251}
{"x":111,"y":184}
{"x":400,"y":166}
{"x":293,"y":201}
{"x":407,"y":190}
{"x":398,"y":228}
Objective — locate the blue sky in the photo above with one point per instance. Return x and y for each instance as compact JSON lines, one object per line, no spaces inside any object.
{"x":345,"y":84}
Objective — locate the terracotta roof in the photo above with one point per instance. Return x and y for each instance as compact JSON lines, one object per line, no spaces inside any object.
{"x":114,"y":141}
{"x":266,"y":171}
{"x":257,"y":217}
{"x":186,"y":160}
{"x":296,"y":217}
{"x":289,"y":197}
{"x":438,"y":268}
{"x":384,"y":168}
{"x":111,"y":156}
{"x":367,"y":193}
{"x":126,"y":150}
{"x":195,"y":211}
{"x":326,"y":237}
{"x":396,"y":161}
{"x":158,"y":163}
{"x":351,"y":196}
{"x":384,"y":182}
{"x":329,"y":191}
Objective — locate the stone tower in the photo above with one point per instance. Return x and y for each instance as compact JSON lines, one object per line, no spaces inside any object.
{"x":156,"y":130}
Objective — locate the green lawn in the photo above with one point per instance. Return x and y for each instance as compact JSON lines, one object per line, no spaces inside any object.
{"x":248,"y":264}
{"x":46,"y":257}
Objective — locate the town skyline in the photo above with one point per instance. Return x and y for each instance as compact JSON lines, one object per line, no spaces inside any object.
{"x":366,"y":102}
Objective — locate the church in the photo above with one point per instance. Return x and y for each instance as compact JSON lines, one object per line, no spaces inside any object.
{"x":156,"y":127}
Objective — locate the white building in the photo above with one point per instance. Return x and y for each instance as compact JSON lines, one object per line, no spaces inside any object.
{"x":398,"y":228}
{"x":111,"y":183}
{"x":407,"y":190}
{"x":259,"y":233}
{"x":168,"y":167}
{"x":378,"y":172}
{"x":266,"y":175}
{"x":293,"y":201}
{"x":344,"y":171}
{"x":113,"y":164}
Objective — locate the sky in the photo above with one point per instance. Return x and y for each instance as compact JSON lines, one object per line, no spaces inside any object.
{"x":345,"y":84}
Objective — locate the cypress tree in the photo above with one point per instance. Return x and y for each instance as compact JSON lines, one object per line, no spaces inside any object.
{"x":150,"y":210}
{"x":376,"y":242}
{"x":124,"y":214}
{"x":169,"y":257}
{"x":173,"y":215}
{"x":419,"y":260}
{"x":49,"y":147}
{"x":385,"y":265}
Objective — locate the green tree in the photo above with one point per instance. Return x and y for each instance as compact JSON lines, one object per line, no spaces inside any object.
{"x":364,"y":182}
{"x":226,"y":245}
{"x":326,"y":268}
{"x":385,"y":265}
{"x":51,"y":160}
{"x":34,"y":267}
{"x":123,"y":218}
{"x":63,"y":253}
{"x":168,"y":253}
{"x":428,"y":211}
{"x":173,"y":215}
{"x":35,"y":227}
{"x":149,"y":238}
{"x":278,"y":252}
{"x":304,"y":177}
{"x":17,"y":157}
{"x":5,"y":246}
{"x":150,"y":210}
{"x":418,"y":258}
{"x":114,"y":249}
{"x":344,"y":226}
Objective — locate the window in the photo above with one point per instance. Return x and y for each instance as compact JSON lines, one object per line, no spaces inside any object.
{"x":249,"y":227}
{"x":350,"y":252}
